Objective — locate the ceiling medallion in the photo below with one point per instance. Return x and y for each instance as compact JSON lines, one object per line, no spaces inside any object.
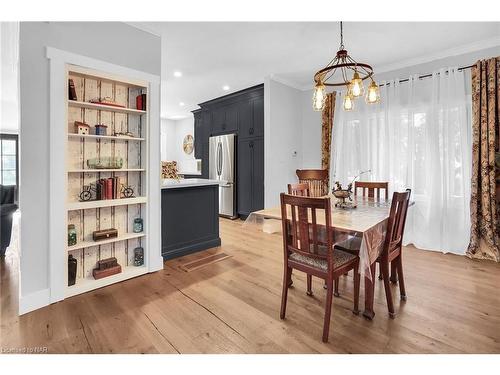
{"x":337,"y":73}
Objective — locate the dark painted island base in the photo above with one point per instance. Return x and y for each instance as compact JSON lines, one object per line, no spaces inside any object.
{"x":189,"y":220}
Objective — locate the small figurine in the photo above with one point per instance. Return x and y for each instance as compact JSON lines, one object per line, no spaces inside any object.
{"x":86,"y":194}
{"x":82,"y":128}
{"x":127,"y":191}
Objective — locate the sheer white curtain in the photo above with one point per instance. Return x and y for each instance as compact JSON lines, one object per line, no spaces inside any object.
{"x":418,"y":137}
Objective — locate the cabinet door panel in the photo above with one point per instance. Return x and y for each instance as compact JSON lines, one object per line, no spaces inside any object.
{"x":258,"y":175}
{"x":244,"y":188}
{"x":245,"y":119}
{"x":218,"y":120}
{"x":231,"y":122}
{"x":258,"y":117}
{"x":198,"y":136}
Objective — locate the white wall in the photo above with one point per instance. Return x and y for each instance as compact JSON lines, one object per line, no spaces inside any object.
{"x":107,"y":41}
{"x":282,"y":137}
{"x":173,"y":133}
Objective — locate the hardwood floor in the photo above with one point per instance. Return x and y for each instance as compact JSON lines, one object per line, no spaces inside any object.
{"x":232,"y":306}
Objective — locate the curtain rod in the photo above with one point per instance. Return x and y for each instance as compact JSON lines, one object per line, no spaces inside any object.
{"x":426,"y":75}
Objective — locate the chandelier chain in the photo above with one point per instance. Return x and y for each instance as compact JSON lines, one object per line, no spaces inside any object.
{"x":341,"y":36}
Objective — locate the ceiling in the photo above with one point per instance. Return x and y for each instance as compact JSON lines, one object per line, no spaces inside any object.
{"x":241,"y":54}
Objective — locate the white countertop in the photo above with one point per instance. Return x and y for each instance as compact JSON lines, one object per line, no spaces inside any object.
{"x":171,"y":183}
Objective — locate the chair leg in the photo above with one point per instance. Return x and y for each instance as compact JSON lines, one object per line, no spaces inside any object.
{"x":384,"y":267}
{"x":399,"y":266}
{"x":380,"y":277}
{"x":357,"y":280}
{"x":284,"y":294}
{"x":309,"y":285}
{"x":290,"y":281}
{"x":394,"y":276}
{"x":336,"y":290}
{"x":328,"y":309}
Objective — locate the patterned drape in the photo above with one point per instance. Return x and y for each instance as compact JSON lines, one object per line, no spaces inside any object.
{"x":485,"y":240}
{"x":326,"y":133}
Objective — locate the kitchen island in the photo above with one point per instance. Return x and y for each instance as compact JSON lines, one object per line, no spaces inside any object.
{"x":189,"y":216}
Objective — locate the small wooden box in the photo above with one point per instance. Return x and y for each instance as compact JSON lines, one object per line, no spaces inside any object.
{"x":104,"y":234}
{"x":99,"y":274}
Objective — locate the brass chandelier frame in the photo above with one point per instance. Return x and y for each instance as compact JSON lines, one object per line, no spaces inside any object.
{"x":344,"y":63}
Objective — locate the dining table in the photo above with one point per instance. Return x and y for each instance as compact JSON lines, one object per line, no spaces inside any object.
{"x":366,"y":219}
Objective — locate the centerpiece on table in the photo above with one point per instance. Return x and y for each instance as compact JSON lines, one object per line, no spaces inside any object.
{"x":344,"y":196}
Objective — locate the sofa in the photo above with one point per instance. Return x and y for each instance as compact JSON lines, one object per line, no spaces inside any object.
{"x":7,"y":209}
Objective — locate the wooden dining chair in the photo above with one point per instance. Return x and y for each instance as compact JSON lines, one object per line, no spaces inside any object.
{"x":317,"y":179}
{"x":393,"y":247}
{"x":372,"y":188}
{"x":298,"y":189}
{"x":308,"y":247}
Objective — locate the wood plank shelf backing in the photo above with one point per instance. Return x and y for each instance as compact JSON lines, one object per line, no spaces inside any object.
{"x":123,"y":237}
{"x":93,"y":215}
{"x":112,"y":137}
{"x":103,"y":107}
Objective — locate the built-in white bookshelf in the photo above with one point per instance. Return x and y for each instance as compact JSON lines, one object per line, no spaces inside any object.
{"x":120,"y":212}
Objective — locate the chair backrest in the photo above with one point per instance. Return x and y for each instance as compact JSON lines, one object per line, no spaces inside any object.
{"x":397,"y":220}
{"x":301,"y":232}
{"x":301,"y":190}
{"x":373,"y":188}
{"x":317,"y":179}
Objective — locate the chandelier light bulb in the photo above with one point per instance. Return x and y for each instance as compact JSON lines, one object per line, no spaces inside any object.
{"x":319,"y":97}
{"x":348,"y":102}
{"x":356,"y":85}
{"x":373,"y":95}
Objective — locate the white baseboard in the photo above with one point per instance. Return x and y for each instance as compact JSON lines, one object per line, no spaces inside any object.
{"x":34,"y":301}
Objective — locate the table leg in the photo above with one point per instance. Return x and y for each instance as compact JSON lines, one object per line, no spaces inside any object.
{"x":369,"y":292}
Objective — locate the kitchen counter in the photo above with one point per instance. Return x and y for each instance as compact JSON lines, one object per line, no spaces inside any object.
{"x":189,"y":216}
{"x":172,"y":183}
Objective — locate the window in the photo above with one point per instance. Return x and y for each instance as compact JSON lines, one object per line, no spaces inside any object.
{"x":9,"y":164}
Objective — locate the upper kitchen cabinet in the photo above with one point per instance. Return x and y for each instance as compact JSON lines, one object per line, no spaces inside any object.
{"x":224,"y":119}
{"x":251,"y":121}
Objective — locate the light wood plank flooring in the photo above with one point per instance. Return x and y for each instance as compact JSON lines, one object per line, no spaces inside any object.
{"x":232,"y":306}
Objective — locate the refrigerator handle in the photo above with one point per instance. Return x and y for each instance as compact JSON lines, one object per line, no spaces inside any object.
{"x":219,"y":159}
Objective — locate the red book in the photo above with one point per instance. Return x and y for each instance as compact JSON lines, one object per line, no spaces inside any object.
{"x":109,"y":188}
{"x":138,"y":102}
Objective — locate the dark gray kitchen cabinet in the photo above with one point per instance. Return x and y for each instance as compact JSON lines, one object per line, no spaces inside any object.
{"x":250,"y":176}
{"x":198,"y":135}
{"x":224,"y":119}
{"x":251,"y":121}
{"x":241,"y":113}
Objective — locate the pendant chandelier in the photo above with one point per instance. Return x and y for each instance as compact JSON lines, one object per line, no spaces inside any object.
{"x":337,"y":73}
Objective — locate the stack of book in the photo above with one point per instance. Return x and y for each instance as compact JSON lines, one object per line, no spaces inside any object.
{"x":108,"y":188}
{"x":140,"y":102}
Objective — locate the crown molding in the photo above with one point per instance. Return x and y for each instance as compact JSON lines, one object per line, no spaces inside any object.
{"x":455,"y":51}
{"x":142,"y":27}
{"x":286,"y":82}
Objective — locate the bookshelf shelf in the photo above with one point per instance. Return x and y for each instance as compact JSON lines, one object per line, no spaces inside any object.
{"x":72,"y":206}
{"x":103,"y":107}
{"x":112,"y":137}
{"x":89,"y":283}
{"x":123,"y":237}
{"x":83,"y":170}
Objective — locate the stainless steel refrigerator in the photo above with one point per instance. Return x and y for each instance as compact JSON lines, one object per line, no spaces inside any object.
{"x":221,"y":166}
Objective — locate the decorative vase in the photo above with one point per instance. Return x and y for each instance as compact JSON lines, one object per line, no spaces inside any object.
{"x":72,"y":265}
{"x":138,"y":225}
{"x":138,"y":256}
{"x":71,"y":235}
